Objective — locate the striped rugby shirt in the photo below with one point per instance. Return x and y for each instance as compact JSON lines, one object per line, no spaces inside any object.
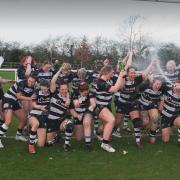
{"x":171,"y":106}
{"x":20,"y":86}
{"x":103,"y":97}
{"x":149,"y":96}
{"x":41,"y":99}
{"x":57,"y":110}
{"x":173,"y":77}
{"x":77,"y":80}
{"x":44,"y":75}
{"x":85,"y":102}
{"x":95,"y":77}
{"x":129,"y":93}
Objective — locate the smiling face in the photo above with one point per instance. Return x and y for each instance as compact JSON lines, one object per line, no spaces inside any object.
{"x":65,"y":71}
{"x":27,"y":60}
{"x":63,"y":89}
{"x":44,"y":89}
{"x":131,"y":73}
{"x":31,"y":81}
{"x":157,"y":84}
{"x":46,"y":67}
{"x":84,"y":93}
{"x":171,"y":66}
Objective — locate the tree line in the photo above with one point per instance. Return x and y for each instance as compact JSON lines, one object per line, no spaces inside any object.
{"x":83,"y":52}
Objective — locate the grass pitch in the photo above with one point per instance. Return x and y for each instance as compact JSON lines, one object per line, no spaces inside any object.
{"x":158,"y":161}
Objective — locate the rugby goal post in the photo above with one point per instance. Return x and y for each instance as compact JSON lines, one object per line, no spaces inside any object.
{"x":7,"y":70}
{"x":11,"y":71}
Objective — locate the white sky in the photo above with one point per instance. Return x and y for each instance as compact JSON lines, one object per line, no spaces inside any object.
{"x":32,"y":21}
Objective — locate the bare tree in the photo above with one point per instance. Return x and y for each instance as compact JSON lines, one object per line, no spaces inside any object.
{"x":132,"y":34}
{"x":83,"y":53}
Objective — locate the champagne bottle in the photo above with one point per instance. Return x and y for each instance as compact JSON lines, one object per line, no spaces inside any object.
{"x":121,"y":66}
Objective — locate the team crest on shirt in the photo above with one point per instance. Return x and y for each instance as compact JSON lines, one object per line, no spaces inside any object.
{"x":28,"y":90}
{"x":44,"y":100}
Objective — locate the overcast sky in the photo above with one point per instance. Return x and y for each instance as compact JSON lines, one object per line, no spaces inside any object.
{"x":34,"y":20}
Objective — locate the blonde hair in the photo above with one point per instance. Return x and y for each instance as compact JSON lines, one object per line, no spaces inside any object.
{"x":105,"y":70}
{"x":66,"y":66}
{"x":171,"y":62}
{"x":82,"y":73}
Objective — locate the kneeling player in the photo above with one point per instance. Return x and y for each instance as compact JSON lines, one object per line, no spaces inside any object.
{"x":38,"y":116}
{"x":149,"y":101}
{"x":84,"y":105}
{"x":170,"y":112}
{"x":58,"y":110}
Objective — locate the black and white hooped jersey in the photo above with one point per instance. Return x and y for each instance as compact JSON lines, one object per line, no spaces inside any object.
{"x":171,"y":106}
{"x":22,"y":70}
{"x":19,"y":87}
{"x":77,"y":80}
{"x":57,"y":110}
{"x":44,"y":75}
{"x":129,"y":93}
{"x":41,"y":99}
{"x":173,"y":77}
{"x":85,"y":102}
{"x":95,"y":77}
{"x":64,"y":78}
{"x":103,"y":97}
{"x":150,"y":96}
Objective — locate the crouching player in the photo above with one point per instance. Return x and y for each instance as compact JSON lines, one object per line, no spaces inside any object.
{"x":84,"y":104}
{"x":171,"y":112}
{"x":149,"y":101}
{"x":22,"y":90}
{"x":38,"y":116}
{"x":58,"y":111}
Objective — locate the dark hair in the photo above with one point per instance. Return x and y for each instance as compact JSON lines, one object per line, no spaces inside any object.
{"x":45,"y":83}
{"x":61,"y":84}
{"x":83,"y":86}
{"x":159,"y":78}
{"x":23,"y":59}
{"x":131,"y":67}
{"x":32,"y":75}
{"x":45,"y":62}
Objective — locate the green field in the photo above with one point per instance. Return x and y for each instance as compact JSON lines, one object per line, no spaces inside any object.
{"x":159,"y":161}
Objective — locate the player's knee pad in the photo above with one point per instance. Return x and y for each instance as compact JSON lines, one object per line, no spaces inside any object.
{"x":69,"y":127}
{"x":137,"y":122}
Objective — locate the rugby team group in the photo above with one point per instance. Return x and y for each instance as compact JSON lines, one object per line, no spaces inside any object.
{"x":54,"y":98}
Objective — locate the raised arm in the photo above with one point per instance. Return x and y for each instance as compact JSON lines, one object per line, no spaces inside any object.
{"x":148,"y":69}
{"x":28,"y":67}
{"x":128,"y":62}
{"x":53,"y":81}
{"x":119,"y":83}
